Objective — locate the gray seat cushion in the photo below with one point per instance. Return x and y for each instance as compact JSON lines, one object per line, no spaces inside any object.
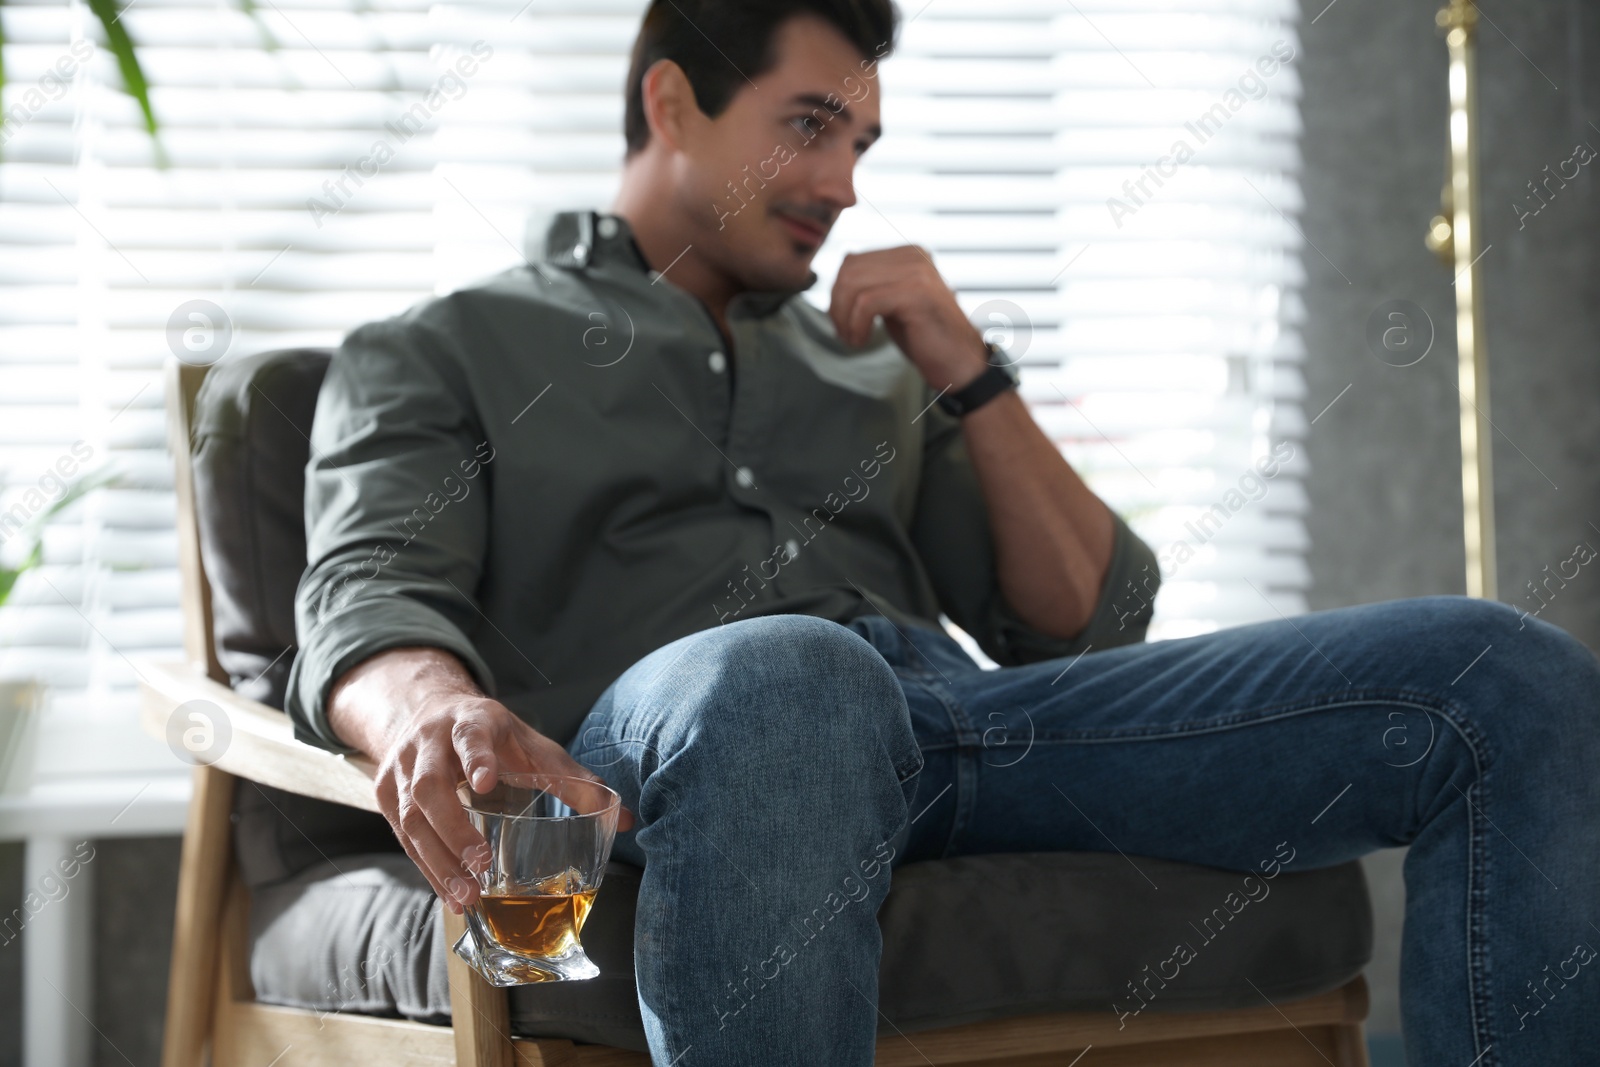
{"x":1074,"y":931}
{"x":987,"y":937}
{"x":973,"y":938}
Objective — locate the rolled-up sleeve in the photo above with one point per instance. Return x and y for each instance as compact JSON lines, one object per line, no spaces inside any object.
{"x":397,"y":495}
{"x":952,"y":536}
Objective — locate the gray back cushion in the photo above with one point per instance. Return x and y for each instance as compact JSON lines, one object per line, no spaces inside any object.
{"x":250,"y":445}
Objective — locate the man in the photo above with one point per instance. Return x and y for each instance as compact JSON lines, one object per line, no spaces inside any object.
{"x":639,"y":513}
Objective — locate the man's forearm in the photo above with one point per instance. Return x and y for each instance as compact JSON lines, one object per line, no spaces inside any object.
{"x":371,"y":701}
{"x":1053,"y":535}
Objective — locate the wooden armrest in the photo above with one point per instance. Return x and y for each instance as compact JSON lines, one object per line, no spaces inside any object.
{"x":260,"y":743}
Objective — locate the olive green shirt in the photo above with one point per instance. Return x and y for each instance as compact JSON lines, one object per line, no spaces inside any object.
{"x":559,"y":469}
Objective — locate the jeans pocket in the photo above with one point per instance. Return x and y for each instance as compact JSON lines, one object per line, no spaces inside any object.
{"x":905,"y":768}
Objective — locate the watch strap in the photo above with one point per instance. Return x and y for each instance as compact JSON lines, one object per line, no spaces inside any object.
{"x":994,"y":380}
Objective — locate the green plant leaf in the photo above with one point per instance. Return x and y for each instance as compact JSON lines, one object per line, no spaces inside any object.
{"x":133,"y":79}
{"x":8,"y":576}
{"x":2,"y":58}
{"x":104,"y":477}
{"x":34,"y":530}
{"x":268,"y":41}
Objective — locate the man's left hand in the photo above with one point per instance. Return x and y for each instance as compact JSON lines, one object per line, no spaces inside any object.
{"x":918,"y":308}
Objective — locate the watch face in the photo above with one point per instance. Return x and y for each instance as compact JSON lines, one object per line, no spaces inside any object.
{"x":999,"y":357}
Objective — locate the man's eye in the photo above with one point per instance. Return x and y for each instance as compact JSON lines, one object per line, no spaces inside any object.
{"x":806,"y":125}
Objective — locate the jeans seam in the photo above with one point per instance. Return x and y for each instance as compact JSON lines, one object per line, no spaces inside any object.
{"x":1477,"y":856}
{"x":1477,"y":943}
{"x":966,"y":779}
{"x":1320,"y":702}
{"x":671,"y":892}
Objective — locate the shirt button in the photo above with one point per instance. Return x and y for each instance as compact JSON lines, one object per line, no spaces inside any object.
{"x":607,"y":227}
{"x":793,"y":546}
{"x":745,"y":477}
{"x":718,"y":361}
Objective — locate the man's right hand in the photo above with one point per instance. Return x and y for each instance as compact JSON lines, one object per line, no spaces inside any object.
{"x":420,"y":715}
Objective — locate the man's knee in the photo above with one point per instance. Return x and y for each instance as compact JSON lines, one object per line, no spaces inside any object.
{"x":807,"y":645}
{"x":770,"y":672}
{"x":791,"y":700}
{"x":1446,"y":628}
{"x":1525,"y":683}
{"x":762,"y":691}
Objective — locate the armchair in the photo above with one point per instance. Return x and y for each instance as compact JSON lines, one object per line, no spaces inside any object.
{"x":962,"y":982}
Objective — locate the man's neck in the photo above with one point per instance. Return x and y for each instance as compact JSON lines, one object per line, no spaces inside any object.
{"x":669,"y":248}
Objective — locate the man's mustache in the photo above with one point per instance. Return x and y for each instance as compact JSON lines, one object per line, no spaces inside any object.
{"x":822,"y":216}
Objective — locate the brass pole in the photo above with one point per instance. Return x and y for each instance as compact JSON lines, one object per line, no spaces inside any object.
{"x":1459,"y":19}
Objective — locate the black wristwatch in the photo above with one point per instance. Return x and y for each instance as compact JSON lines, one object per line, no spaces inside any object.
{"x":996,"y":378}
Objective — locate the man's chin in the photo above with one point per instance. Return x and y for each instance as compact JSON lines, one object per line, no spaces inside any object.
{"x":789,"y":277}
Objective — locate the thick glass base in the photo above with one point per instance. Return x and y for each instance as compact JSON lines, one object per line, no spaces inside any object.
{"x":501,"y":967}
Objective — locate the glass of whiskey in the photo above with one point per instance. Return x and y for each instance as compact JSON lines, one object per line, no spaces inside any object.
{"x":549,"y":838}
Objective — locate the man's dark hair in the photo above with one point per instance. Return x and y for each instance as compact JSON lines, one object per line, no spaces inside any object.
{"x":708,"y":37}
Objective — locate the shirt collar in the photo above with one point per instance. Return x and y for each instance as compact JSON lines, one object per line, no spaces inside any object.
{"x":583,"y":239}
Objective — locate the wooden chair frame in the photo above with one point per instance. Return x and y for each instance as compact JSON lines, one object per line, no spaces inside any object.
{"x":211,"y":1011}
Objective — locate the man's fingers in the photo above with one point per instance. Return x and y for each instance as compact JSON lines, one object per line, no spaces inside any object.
{"x":481,"y":741}
{"x":838,"y":312}
{"x":588,"y":794}
{"x":473,"y":742}
{"x":864,"y":270}
{"x":450,"y":879}
{"x":847,"y":285}
{"x":439,"y":889}
{"x":842,"y":310}
{"x":867,"y":305}
{"x":389,"y":791}
{"x":882,"y":287}
{"x":436,"y":795}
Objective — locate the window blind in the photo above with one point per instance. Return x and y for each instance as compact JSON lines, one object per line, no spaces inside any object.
{"x":1155,"y":319}
{"x":333,"y":161}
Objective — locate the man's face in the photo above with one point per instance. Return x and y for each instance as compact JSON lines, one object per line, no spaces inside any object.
{"x":766,"y":179}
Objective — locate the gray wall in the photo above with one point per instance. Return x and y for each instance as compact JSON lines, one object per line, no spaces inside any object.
{"x":1385,"y":484}
{"x":10,"y":959}
{"x":135,"y":893}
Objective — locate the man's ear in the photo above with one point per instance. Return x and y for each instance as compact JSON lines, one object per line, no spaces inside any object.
{"x":669,"y":103}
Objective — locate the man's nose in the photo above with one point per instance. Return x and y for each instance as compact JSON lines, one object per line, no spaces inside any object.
{"x":835,"y":184}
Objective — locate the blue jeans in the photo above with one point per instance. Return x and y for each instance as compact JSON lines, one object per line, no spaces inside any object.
{"x":766,"y":756}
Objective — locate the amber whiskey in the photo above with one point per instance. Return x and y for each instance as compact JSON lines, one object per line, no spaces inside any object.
{"x":538,"y":923}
